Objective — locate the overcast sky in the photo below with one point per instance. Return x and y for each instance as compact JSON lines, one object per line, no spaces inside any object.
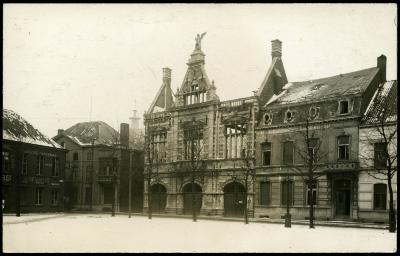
{"x":58,"y":57}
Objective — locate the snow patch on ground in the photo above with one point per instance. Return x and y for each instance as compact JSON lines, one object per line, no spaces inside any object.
{"x":103,"y":233}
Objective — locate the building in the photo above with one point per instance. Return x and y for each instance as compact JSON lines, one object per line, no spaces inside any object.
{"x":98,"y":166}
{"x":33,"y":168}
{"x":252,"y":150}
{"x":376,"y":137}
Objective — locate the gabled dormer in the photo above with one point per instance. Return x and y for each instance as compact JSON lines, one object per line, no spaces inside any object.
{"x":164,"y":98}
{"x":275,"y":78}
{"x":196,"y":86}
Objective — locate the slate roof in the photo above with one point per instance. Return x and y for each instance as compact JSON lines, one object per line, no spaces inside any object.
{"x":384,"y":102}
{"x":343,"y":84}
{"x":16,"y":128}
{"x":83,"y":133}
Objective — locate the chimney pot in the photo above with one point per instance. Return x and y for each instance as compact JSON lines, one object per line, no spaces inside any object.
{"x":276,"y":48}
{"x":167,"y":76}
{"x":381,"y":64}
{"x":60,"y":131}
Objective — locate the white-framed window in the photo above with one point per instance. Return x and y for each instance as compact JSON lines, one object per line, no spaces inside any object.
{"x":266,"y":151}
{"x":343,"y":147}
{"x":39,"y":196}
{"x":312,"y":148}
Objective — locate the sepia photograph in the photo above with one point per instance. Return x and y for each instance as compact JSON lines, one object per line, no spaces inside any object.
{"x":199,"y":128}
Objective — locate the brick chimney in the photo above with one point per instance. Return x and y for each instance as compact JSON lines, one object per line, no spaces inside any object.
{"x":276,"y":48}
{"x":124,"y":134}
{"x":60,"y":131}
{"x":381,"y":64}
{"x":167,"y":76}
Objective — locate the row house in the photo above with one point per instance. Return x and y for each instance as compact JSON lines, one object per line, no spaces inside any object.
{"x":253,"y":151}
{"x":33,"y":168}
{"x":98,"y":167}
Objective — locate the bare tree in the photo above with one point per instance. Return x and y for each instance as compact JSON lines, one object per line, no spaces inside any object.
{"x":152,"y":161}
{"x":248,"y":169}
{"x":384,"y":165}
{"x":311,"y":155}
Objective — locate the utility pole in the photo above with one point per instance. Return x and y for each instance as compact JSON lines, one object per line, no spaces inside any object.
{"x":130,"y":184}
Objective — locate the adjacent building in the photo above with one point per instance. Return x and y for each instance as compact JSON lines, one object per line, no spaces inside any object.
{"x":215,"y":156}
{"x":33,"y":168}
{"x":98,"y":165}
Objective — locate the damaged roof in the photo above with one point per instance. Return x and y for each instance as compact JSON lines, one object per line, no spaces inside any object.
{"x":84,"y":133}
{"x":343,"y":84}
{"x":16,"y":128}
{"x":382,"y":105}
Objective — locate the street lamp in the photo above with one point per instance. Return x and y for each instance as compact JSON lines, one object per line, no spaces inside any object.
{"x":288,"y":222}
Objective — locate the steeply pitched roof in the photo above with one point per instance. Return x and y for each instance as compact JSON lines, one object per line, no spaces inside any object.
{"x":343,"y":84}
{"x":84,"y":133}
{"x":16,"y":128}
{"x":163,"y":99}
{"x":382,"y":105}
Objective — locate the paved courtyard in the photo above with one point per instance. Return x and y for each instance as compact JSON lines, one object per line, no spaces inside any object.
{"x":103,"y":233}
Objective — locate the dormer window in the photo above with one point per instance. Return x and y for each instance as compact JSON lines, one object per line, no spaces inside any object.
{"x":268,"y":118}
{"x":344,"y":107}
{"x":289,"y":116}
{"x":313,"y":113}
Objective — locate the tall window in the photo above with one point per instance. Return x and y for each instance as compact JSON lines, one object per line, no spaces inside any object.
{"x":343,"y":148}
{"x":6,"y":161}
{"x":158,"y":147}
{"x":76,"y":156}
{"x":311,"y":189}
{"x":54,"y":197}
{"x":265,"y":192}
{"x":194,"y":146}
{"x":235,"y":140}
{"x":25,"y":164}
{"x":266,"y":153}
{"x":39,"y":196}
{"x":380,"y":160}
{"x":89,"y":155}
{"x":380,"y":196}
{"x":288,"y":152}
{"x":55,"y":166}
{"x":312,"y":149}
{"x":344,"y":107}
{"x":40,"y":164}
{"x":74,"y":173}
{"x":287,"y":192}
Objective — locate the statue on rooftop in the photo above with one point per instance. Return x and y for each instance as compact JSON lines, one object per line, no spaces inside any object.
{"x":198,"y":40}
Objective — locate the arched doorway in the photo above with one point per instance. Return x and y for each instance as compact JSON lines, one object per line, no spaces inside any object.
{"x":234,"y":199}
{"x":192,"y":198}
{"x":158,"y":198}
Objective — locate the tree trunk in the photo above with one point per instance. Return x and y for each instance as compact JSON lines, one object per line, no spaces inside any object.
{"x":246,"y":215}
{"x":392,"y":213}
{"x":194,"y":208}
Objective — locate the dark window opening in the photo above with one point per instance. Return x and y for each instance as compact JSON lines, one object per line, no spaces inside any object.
{"x":265,"y":192}
{"x":380,"y":159}
{"x":288,"y":152}
{"x":344,"y":107}
{"x":380,"y":196}
{"x":287,"y":192}
{"x":266,"y":153}
{"x":343,"y":148}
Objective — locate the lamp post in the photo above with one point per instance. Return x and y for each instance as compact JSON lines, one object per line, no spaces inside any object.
{"x":288,"y":222}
